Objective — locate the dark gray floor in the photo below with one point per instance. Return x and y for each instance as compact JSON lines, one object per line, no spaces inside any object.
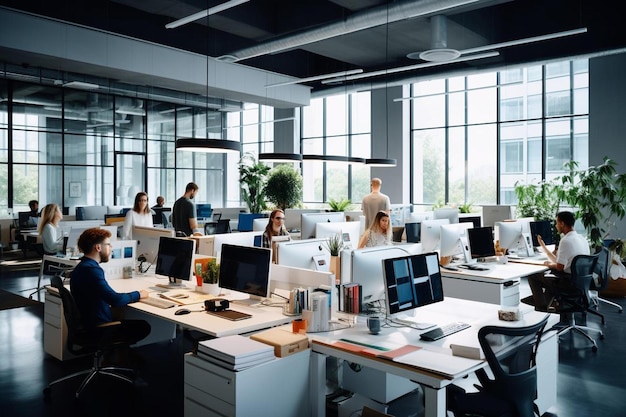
{"x":589,"y":384}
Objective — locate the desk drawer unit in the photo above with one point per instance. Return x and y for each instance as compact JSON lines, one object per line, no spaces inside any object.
{"x":54,"y":329}
{"x":276,"y":388}
{"x":502,"y":293}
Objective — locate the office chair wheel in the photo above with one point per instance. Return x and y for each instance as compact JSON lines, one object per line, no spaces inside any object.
{"x":594,"y":348}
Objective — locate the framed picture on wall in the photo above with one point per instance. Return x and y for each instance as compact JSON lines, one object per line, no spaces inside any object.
{"x":75,"y":189}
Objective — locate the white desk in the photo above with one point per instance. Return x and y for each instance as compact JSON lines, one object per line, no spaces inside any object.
{"x":498,"y":285}
{"x":437,"y":355}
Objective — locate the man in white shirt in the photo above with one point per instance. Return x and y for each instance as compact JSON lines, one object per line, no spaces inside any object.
{"x":374,"y":202}
{"x":572,"y":244}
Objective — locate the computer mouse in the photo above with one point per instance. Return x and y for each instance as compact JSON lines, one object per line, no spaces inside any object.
{"x":182,"y":311}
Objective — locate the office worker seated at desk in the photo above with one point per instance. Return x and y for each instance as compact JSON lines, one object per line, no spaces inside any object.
{"x":93,"y":295}
{"x":572,"y":244}
{"x":184,"y":217}
{"x":378,"y":233}
{"x":139,"y":215}
{"x":275,"y":227}
{"x":51,"y":235}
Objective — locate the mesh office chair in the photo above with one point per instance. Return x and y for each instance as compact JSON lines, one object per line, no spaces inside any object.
{"x":576,"y":299}
{"x":601,"y":282}
{"x":81,"y":341}
{"x":510,"y":353}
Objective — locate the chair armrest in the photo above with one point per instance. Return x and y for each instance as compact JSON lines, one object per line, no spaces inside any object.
{"x":111,"y":323}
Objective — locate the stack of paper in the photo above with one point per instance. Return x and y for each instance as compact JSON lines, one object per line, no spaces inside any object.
{"x":235,"y":352}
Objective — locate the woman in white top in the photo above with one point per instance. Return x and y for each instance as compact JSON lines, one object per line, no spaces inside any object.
{"x":51,"y":235}
{"x":139,"y":215}
{"x":378,"y":233}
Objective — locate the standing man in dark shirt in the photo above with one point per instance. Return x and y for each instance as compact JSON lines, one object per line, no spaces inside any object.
{"x":184,"y":212}
{"x":92,"y":293}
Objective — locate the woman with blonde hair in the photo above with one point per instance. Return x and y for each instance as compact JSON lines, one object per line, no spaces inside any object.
{"x":275,"y":227}
{"x":51,"y":235}
{"x":378,"y":233}
{"x":139,"y":215}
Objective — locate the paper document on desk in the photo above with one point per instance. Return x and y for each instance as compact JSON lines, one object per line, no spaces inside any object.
{"x":182,"y":297}
{"x":439,"y":363}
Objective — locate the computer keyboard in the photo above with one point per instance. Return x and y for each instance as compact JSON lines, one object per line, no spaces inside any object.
{"x":158,"y":302}
{"x":443,"y":331}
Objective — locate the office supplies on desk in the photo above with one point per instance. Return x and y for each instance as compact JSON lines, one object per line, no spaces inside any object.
{"x":443,"y":331}
{"x":158,"y":302}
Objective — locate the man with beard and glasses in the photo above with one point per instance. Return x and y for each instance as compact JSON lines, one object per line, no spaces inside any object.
{"x":184,"y":213}
{"x":93,"y":295}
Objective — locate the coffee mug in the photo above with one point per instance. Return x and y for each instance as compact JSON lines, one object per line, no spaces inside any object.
{"x":373,"y":323}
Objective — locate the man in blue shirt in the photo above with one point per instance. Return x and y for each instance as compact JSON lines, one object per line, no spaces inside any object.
{"x":93,"y":295}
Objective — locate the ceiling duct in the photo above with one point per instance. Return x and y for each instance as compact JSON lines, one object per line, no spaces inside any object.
{"x":439,"y":51}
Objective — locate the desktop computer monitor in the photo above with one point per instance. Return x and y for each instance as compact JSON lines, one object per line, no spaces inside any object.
{"x":411,"y":282}
{"x":413,"y":234}
{"x":513,"y":239}
{"x":542,"y":228}
{"x":431,"y":234}
{"x":475,"y":220}
{"x":246,"y":269}
{"x":495,"y":213}
{"x":239,"y":238}
{"x":326,"y":230}
{"x":366,"y":269}
{"x":204,"y":211}
{"x":450,"y":213}
{"x":303,"y":253}
{"x":480,"y":240}
{"x":310,"y":220}
{"x":148,"y":239}
{"x":175,"y":258}
{"x":454,"y":240}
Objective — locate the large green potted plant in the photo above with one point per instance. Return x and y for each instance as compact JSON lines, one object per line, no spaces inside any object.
{"x":252,"y":179}
{"x":284,"y":187}
{"x":539,"y":201}
{"x":598,"y":194}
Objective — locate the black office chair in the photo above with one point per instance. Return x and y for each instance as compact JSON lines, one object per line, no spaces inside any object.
{"x":577,"y":299}
{"x":81,"y":341}
{"x":510,"y":353}
{"x":601,"y":282}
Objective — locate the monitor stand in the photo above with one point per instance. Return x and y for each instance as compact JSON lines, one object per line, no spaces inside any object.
{"x":172,"y":284}
{"x":411,"y":321}
{"x":253,"y":301}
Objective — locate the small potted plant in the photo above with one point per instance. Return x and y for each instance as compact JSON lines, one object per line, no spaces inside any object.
{"x":339,"y":205}
{"x":334,"y":246}
{"x":210,"y":278}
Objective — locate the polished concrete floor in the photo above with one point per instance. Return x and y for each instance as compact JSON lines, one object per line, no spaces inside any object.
{"x":589,"y":384}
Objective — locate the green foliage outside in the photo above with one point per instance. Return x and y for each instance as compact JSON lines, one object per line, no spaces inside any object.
{"x":284,"y":187}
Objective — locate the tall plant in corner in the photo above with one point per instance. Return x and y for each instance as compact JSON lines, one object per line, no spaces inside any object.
{"x":284,"y":186}
{"x":252,"y":178}
{"x":599,"y":195}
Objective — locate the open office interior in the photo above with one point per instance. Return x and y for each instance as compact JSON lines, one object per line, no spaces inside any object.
{"x":33,"y":58}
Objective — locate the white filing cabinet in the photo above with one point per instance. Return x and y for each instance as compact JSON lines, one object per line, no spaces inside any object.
{"x":277,"y":388}
{"x":503,"y":293}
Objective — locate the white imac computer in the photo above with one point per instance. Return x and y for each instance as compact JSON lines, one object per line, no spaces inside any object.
{"x":326,"y":230}
{"x":240,"y":238}
{"x":450,"y":213}
{"x":293,"y":220}
{"x":259,"y":225}
{"x":512,"y":238}
{"x":431,"y":234}
{"x":148,"y":239}
{"x":306,"y":254}
{"x":411,"y":282}
{"x":495,"y":213}
{"x":309,"y":220}
{"x":454,"y":240}
{"x":367,"y":269}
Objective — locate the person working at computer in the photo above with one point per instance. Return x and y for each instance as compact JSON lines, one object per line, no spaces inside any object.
{"x":184,"y":213}
{"x":544,"y":286}
{"x":92,"y":293}
{"x":160,"y":202}
{"x":51,"y":235}
{"x":374,"y":202}
{"x":139,"y":215}
{"x":275,"y":227}
{"x":379,"y":232}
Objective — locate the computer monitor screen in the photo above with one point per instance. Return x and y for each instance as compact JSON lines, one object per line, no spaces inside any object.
{"x":26,"y":220}
{"x":450,"y":213}
{"x":161,"y":216}
{"x":367,"y":270}
{"x":512,"y":238}
{"x":326,"y":230}
{"x":174,"y":259}
{"x":494,"y":214}
{"x":431,"y":233}
{"x":310,"y":220}
{"x":480,"y":241}
{"x":302,"y":253}
{"x":293,"y":220}
{"x":454,"y":239}
{"x":411,"y":282}
{"x":475,"y":220}
{"x":148,"y":239}
{"x":542,"y":228}
{"x":413,"y":234}
{"x":240,"y":239}
{"x":204,"y":211}
{"x":72,"y":238}
{"x":245,"y":269}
